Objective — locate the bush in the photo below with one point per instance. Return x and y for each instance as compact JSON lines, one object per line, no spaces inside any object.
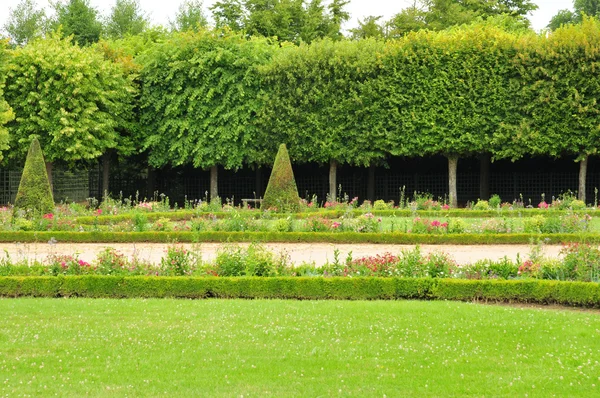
{"x":495,"y":201}
{"x":281,"y":193}
{"x":34,"y":194}
{"x":481,"y":205}
{"x":177,"y":262}
{"x":520,"y":291}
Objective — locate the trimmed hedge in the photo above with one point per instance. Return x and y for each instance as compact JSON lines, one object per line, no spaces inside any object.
{"x":294,"y":237}
{"x":578,"y":294}
{"x":182,"y":215}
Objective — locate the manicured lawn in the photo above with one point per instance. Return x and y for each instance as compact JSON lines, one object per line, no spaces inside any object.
{"x":78,"y":347}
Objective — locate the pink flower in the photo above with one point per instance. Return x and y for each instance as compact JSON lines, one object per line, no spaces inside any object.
{"x":98,"y":212}
{"x":48,"y":216}
{"x":445,"y":207}
{"x":335,"y":225}
{"x":444,"y":225}
{"x":435,"y":223}
{"x":543,"y":205}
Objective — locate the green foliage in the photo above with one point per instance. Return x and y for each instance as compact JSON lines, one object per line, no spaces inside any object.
{"x":189,"y":16}
{"x":555,"y":97}
{"x":178,"y":262}
{"x":200,"y":97}
{"x":25,"y":22}
{"x":72,"y":99}
{"x":579,"y":294}
{"x":6,"y":112}
{"x":34,"y":194}
{"x":318,"y":101}
{"x":288,"y":20}
{"x":281,"y":193}
{"x":126,"y":18}
{"x":77,"y":18}
{"x":443,"y":14}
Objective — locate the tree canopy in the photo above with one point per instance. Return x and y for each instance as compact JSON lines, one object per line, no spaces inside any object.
{"x":78,"y":18}
{"x":25,"y":22}
{"x":70,"y":98}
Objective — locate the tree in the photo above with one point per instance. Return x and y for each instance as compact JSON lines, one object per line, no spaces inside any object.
{"x":34,"y":193}
{"x":289,"y":20}
{"x":557,"y":104}
{"x":282,"y":192}
{"x":563,"y":17}
{"x":591,"y":8}
{"x":317,"y":102}
{"x":70,"y":98}
{"x":80,"y":19}
{"x":25,"y":22}
{"x":368,"y":27}
{"x":6,"y":113}
{"x":199,"y":99}
{"x":442,"y":14}
{"x":190,"y":16}
{"x":126,"y":18}
{"x":446,"y":93}
{"x":230,"y":14}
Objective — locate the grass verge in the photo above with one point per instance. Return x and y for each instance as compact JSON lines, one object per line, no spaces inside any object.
{"x":224,"y":348}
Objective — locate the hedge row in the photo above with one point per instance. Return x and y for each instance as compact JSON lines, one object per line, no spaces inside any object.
{"x":183,"y":215}
{"x":521,"y":291}
{"x":294,"y":237}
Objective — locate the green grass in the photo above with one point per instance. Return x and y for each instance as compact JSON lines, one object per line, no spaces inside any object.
{"x":81,"y":347}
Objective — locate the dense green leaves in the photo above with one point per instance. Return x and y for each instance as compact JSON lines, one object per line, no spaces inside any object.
{"x":200,"y":98}
{"x":78,"y":18}
{"x":6,"y":113}
{"x":316,"y":101}
{"x":34,"y":194}
{"x":70,"y":98}
{"x":25,"y":22}
{"x":282,"y":192}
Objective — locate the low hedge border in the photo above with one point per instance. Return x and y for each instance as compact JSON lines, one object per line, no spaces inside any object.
{"x":578,"y":294}
{"x":293,"y":237}
{"x":183,"y":215}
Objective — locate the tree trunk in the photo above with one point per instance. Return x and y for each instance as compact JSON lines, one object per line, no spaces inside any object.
{"x":105,"y":174}
{"x":371,"y":183}
{"x":258,"y":193}
{"x":452,"y":166}
{"x":332,"y":180}
{"x":214,"y":183}
{"x":582,"y":177}
{"x":49,"y":172}
{"x":484,"y":177}
{"x":151,"y":183}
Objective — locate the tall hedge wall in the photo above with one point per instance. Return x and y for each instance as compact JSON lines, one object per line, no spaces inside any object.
{"x":215,"y":98}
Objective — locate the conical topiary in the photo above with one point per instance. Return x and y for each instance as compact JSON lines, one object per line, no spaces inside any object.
{"x":281,"y":193}
{"x":34,"y":194}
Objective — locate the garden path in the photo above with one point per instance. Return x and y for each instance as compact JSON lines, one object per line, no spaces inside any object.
{"x":319,"y":253}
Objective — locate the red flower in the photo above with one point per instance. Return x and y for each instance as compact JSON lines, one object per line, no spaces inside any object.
{"x":48,"y":216}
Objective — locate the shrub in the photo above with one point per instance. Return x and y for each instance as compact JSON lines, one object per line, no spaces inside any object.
{"x":281,"y":193}
{"x":495,"y":201}
{"x":34,"y":194}
{"x":111,"y":262}
{"x":481,"y":205}
{"x":581,"y":262}
{"x":534,"y":224}
{"x":177,"y":262}
{"x":577,"y":204}
{"x":381,"y":205}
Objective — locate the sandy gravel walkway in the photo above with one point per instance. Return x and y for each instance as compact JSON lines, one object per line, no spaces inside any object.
{"x":299,"y":252}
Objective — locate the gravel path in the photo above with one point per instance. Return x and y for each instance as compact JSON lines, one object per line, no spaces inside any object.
{"x":299,"y":252}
